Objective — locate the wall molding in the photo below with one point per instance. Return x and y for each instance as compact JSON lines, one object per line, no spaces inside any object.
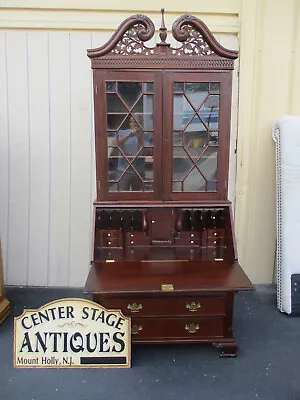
{"x":101,"y":20}
{"x":194,"y":6}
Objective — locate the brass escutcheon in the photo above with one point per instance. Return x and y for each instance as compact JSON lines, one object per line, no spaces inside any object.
{"x":135,"y":329}
{"x":167,"y":287}
{"x":193,"y":306}
{"x":134,"y":307}
{"x":192,"y":328}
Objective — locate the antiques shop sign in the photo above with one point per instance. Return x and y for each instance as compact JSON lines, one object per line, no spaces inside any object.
{"x":72,"y":333}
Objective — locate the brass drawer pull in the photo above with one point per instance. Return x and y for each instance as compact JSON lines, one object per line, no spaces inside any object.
{"x":135,"y":329}
{"x":135,"y":307}
{"x":192,"y":328}
{"x":193,"y":306}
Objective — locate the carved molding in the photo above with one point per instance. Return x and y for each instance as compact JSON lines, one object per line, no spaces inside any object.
{"x":163,"y":62}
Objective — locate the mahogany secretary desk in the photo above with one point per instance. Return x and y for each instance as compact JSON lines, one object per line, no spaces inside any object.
{"x":163,"y":241}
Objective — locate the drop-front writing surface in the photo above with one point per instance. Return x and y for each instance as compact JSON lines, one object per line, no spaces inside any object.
{"x":163,"y":229}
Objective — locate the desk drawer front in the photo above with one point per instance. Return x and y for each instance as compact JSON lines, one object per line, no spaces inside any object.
{"x":193,"y":328}
{"x":189,"y":306}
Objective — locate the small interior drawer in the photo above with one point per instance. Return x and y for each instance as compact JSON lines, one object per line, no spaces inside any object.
{"x":187,"y":241}
{"x":214,"y":233}
{"x":110,"y":238}
{"x":135,"y":238}
{"x":108,"y":242}
{"x":112,"y":233}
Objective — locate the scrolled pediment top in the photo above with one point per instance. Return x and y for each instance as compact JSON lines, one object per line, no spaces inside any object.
{"x":197,"y":40}
{"x":144,"y":30}
{"x":186,"y":25}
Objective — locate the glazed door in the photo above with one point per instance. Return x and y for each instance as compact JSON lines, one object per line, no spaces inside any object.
{"x":128,"y":135}
{"x":196,"y":135}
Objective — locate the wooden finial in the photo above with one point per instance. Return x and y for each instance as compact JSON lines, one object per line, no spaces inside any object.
{"x":163,"y":29}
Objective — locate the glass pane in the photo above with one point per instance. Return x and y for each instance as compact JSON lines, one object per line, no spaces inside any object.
{"x":194,"y":182}
{"x":178,"y":87}
{"x":208,"y":163}
{"x":183,"y":112}
{"x":130,"y":145}
{"x":130,"y":149}
{"x":195,"y":134}
{"x":194,"y":142}
{"x":148,"y":87}
{"x":214,"y":137}
{"x":112,"y":187}
{"x":114,"y":120}
{"x":111,"y":138}
{"x":130,"y":182}
{"x":147,"y":121}
{"x":129,"y":92}
{"x":139,"y":164}
{"x":211,"y":186}
{"x":148,"y":138}
{"x":130,"y":137}
{"x":210,"y":112}
{"x":148,"y":167}
{"x":195,"y":125}
{"x":196,"y":93}
{"x":117,"y":164}
{"x":111,"y":86}
{"x":148,"y":187}
{"x":179,"y":152}
{"x":177,"y":138}
{"x":177,"y":187}
{"x":114,"y":104}
{"x":181,"y":166}
{"x":144,"y":105}
{"x":214,"y":88}
{"x":142,"y":121}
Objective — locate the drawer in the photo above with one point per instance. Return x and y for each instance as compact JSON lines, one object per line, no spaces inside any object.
{"x":136,"y":239}
{"x":112,"y":234}
{"x":182,"y":306}
{"x":213,"y":242}
{"x":188,"y":238}
{"x":114,"y":242}
{"x":187,"y":242}
{"x":188,"y":235}
{"x":172,"y":328}
{"x":214,"y":233}
{"x":110,"y":238}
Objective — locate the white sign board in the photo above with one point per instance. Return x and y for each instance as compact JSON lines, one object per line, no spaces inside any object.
{"x":72,"y":333}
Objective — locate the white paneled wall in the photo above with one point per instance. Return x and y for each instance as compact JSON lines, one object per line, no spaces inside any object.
{"x":47,"y":183}
{"x":47,"y":162}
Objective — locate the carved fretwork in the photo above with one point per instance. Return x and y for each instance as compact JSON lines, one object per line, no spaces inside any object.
{"x":130,"y":35}
{"x":187,"y":29}
{"x":194,"y":45}
{"x":130,"y":44}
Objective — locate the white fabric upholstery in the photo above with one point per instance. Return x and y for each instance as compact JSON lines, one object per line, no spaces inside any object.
{"x":286,"y":133}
